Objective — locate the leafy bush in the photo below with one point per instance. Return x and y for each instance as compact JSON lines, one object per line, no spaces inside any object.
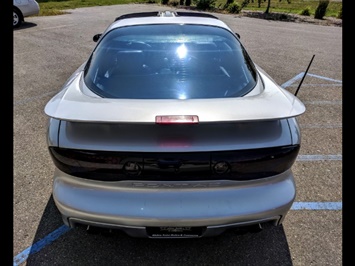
{"x":244,"y":4}
{"x":234,"y":8}
{"x":305,"y":12}
{"x":283,"y":17}
{"x":204,"y":4}
{"x":187,"y":2}
{"x":173,"y":2}
{"x":321,"y":9}
{"x":228,"y":2}
{"x":164,"y":2}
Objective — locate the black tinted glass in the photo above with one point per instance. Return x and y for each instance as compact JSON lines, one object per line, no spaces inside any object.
{"x":170,"y":62}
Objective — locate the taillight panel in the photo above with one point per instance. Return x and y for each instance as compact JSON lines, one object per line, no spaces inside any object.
{"x":231,"y":165}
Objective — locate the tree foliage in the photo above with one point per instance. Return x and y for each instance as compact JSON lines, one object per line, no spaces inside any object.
{"x":321,"y":9}
{"x":204,"y":4}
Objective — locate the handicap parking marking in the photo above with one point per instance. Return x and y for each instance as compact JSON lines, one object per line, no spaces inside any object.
{"x":22,"y":257}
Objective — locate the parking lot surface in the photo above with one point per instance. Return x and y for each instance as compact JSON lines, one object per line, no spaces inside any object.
{"x":48,"y":49}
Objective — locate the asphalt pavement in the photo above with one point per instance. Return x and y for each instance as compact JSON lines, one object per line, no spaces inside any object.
{"x":48,"y":49}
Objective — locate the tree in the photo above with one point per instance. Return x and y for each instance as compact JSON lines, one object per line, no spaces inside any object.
{"x":321,"y":9}
{"x":268,"y":7}
{"x":228,"y":2}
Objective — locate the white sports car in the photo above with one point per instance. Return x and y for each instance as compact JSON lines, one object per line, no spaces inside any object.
{"x":170,"y":130}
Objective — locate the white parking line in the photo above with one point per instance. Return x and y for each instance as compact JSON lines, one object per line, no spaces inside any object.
{"x":30,"y":99}
{"x":324,"y":102}
{"x":321,"y":125}
{"x":41,"y":29}
{"x":317,"y":85}
{"x":286,"y":84}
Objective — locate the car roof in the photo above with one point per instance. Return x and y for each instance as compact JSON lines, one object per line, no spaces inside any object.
{"x":167,"y":17}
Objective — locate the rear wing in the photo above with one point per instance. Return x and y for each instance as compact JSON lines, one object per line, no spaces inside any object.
{"x":166,"y":14}
{"x":75,"y":102}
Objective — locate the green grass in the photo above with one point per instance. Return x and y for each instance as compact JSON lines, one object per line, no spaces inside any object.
{"x":294,"y":7}
{"x":56,"y":7}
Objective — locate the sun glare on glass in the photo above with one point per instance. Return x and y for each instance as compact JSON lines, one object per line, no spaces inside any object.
{"x":181,"y":51}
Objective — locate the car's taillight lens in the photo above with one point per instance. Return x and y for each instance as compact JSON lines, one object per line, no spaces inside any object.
{"x":231,"y":165}
{"x":176,"y":119}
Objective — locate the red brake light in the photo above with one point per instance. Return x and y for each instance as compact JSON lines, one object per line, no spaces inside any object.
{"x":176,"y":119}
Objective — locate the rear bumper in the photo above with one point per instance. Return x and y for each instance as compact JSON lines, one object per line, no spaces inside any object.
{"x":134,"y":205}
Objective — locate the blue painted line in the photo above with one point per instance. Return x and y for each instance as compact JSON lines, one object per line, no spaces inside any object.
{"x":294,"y":79}
{"x":325,"y":78}
{"x":300,"y":75}
{"x":332,"y":206}
{"x":22,"y":257}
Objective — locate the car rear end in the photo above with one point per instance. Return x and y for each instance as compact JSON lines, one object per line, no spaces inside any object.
{"x":210,"y":177}
{"x":172,"y":150}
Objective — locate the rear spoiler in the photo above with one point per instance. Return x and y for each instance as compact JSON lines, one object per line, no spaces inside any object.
{"x":166,"y":13}
{"x":75,"y":102}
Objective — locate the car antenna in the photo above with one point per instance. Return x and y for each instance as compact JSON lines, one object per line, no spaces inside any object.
{"x":305,"y":73}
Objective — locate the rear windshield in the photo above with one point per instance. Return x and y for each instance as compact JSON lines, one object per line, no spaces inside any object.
{"x":170,"y":62}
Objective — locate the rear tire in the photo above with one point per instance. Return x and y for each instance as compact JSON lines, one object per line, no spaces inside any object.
{"x":17,"y":18}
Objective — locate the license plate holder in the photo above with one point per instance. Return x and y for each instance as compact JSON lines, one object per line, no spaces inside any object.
{"x":176,"y":231}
